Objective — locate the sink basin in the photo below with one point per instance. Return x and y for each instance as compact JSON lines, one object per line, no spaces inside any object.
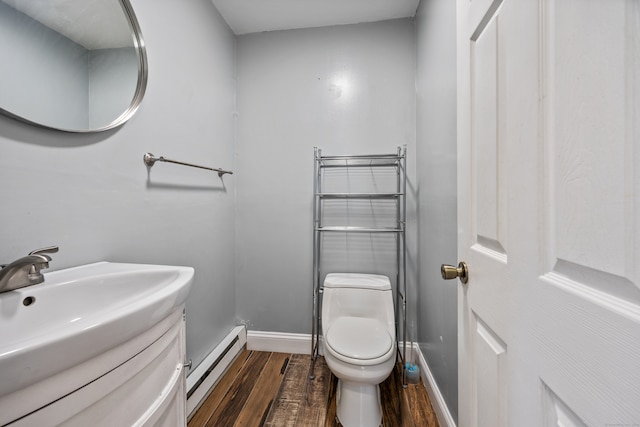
{"x":81,"y":312}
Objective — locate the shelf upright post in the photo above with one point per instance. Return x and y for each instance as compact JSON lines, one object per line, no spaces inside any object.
{"x":399,"y":294}
{"x":316,"y":263}
{"x":403,"y":235}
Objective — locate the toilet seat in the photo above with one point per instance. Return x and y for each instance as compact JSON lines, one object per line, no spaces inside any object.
{"x":359,"y":340}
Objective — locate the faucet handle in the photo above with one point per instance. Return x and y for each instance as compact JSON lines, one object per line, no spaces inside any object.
{"x":47,"y":250}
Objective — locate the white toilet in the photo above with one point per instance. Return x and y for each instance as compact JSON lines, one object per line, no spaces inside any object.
{"x":359,"y":343}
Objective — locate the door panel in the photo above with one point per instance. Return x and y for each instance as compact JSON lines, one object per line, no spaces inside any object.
{"x":488,"y":185}
{"x":591,"y":172}
{"x":557,"y":413}
{"x":490,"y":375}
{"x":548,"y":212}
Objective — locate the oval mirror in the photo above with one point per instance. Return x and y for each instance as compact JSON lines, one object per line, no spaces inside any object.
{"x":71,"y":65}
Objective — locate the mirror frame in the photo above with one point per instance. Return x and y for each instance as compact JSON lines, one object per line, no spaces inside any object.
{"x":141,"y":85}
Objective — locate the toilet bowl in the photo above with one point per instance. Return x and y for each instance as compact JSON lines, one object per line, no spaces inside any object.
{"x":358,"y":326}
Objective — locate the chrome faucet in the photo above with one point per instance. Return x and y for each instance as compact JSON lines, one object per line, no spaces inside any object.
{"x":26,"y":270}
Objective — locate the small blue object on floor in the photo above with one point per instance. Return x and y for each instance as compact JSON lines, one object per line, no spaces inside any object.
{"x":412,"y":372}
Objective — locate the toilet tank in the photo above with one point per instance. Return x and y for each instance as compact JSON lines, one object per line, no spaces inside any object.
{"x":357,"y":295}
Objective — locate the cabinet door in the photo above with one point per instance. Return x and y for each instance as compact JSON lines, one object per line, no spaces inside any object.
{"x":148,"y":390}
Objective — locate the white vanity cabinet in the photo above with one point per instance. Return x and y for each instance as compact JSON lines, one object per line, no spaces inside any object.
{"x":140,"y":383}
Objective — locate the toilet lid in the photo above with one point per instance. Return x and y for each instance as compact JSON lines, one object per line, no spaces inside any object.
{"x":357,"y":280}
{"x":359,"y":338}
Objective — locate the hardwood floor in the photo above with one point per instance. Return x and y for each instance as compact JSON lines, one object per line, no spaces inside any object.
{"x":264,"y":389}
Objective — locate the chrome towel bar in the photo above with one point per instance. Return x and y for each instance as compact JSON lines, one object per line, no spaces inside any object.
{"x":150,"y":160}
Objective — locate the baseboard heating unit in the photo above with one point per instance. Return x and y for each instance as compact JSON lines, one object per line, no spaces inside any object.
{"x":206,"y":375}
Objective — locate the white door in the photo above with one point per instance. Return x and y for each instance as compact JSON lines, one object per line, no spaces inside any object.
{"x":549,"y":212}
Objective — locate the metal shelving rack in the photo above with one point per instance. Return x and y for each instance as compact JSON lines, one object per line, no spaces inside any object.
{"x":398,"y":161}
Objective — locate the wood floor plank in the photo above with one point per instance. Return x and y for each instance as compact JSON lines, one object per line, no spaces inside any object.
{"x":313,"y":411}
{"x":302,"y":401}
{"x":283,"y":413}
{"x":285,"y":408}
{"x":330,"y":420}
{"x":237,"y":395}
{"x":420,"y":406}
{"x":264,"y":391}
{"x":294,"y":381}
{"x":212,"y":401}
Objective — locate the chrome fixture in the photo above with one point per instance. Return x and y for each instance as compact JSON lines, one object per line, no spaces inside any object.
{"x":150,"y":160}
{"x":26,"y":270}
{"x":378,"y":164}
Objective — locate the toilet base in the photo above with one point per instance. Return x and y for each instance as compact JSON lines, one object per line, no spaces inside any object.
{"x":358,"y":404}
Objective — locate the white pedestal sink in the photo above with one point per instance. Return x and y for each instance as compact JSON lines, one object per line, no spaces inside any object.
{"x":100,"y":344}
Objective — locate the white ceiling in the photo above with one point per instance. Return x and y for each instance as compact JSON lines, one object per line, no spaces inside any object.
{"x":100,"y":23}
{"x":252,"y":16}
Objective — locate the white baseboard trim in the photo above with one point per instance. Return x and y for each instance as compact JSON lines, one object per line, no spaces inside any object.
{"x":279,"y":342}
{"x":202,"y":379}
{"x":437,"y":400}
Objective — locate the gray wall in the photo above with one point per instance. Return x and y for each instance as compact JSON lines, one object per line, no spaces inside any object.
{"x":347,"y":89}
{"x":436,"y":141}
{"x":92,"y":195}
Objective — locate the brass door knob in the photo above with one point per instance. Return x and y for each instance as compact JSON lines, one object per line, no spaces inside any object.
{"x":450,"y":272}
